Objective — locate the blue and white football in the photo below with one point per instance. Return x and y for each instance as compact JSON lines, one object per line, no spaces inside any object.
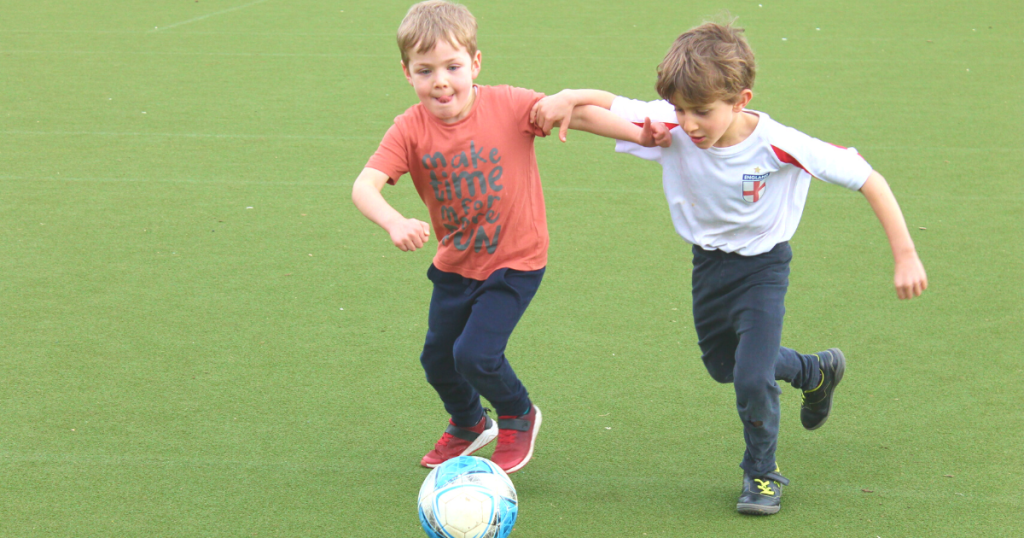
{"x":468,"y":497}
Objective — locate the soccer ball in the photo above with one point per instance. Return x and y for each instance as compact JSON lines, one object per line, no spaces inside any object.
{"x":468,"y":497}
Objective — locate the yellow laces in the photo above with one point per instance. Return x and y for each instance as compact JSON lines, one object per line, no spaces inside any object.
{"x":764,"y":487}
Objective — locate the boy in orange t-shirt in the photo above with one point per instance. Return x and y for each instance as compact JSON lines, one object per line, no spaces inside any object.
{"x":469,"y":151}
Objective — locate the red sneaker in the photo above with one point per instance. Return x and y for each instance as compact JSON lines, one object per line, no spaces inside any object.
{"x":457,"y":441}
{"x":515,"y":440}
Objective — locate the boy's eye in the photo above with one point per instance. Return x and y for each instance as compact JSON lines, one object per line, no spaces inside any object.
{"x":452,"y":67}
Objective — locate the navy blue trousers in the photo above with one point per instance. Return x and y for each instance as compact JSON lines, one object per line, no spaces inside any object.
{"x":738,"y":306}
{"x":468,"y":329}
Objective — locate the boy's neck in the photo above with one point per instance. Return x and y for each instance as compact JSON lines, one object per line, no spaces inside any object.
{"x":741,"y":129}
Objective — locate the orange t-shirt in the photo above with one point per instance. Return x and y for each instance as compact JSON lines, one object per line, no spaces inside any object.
{"x":479,"y":180}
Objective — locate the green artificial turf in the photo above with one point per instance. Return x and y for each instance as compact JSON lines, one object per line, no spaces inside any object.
{"x":201,"y":336}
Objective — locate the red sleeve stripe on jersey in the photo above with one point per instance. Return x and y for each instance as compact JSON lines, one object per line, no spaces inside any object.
{"x":787,"y":158}
{"x":669,"y":125}
{"x":844,"y":147}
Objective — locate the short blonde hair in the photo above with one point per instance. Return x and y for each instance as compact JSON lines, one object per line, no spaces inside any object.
{"x":708,"y":63}
{"x":428,"y":22}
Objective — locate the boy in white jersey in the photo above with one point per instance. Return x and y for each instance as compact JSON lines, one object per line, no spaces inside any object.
{"x":736,"y":183}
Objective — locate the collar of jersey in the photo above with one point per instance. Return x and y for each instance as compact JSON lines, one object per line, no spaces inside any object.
{"x":742,"y":146}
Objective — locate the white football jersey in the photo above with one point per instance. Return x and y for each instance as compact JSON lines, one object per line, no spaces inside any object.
{"x":744,"y":198}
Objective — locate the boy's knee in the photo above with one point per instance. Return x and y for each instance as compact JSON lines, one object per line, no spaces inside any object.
{"x":720,"y":375}
{"x":721,"y":370}
{"x":463,"y":359}
{"x":432,"y":359}
{"x":470,"y":358}
{"x":754,"y":386}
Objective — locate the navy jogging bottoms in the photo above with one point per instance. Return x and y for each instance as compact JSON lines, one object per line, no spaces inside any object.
{"x":738,"y":306}
{"x":469,"y":326}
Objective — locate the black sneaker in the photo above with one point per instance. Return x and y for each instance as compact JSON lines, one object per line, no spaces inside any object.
{"x":762,"y":495}
{"x":817,"y":403}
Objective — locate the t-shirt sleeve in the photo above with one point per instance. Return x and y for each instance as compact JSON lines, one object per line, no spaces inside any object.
{"x":825,"y":161}
{"x":522,"y":101}
{"x":391,"y":156}
{"x":635,"y":111}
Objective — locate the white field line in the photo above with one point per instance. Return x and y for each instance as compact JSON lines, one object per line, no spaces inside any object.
{"x":212,"y":181}
{"x":191,"y":135}
{"x":119,"y":460}
{"x":160,"y":28}
{"x":200,"y":32}
{"x":179,"y":53}
{"x":243,"y":54}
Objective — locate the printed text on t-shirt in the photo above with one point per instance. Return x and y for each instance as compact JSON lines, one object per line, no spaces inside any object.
{"x":467,"y":187}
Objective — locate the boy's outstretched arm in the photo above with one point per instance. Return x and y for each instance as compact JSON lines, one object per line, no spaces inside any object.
{"x":599,"y":121}
{"x":553,"y":109}
{"x":406,"y":234}
{"x":910,"y":279}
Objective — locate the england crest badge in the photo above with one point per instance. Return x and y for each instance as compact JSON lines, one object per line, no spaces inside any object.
{"x":754,"y":186}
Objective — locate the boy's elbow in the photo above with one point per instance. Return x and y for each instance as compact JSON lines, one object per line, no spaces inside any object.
{"x":358,"y":190}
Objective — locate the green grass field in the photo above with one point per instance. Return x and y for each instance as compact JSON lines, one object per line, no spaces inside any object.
{"x":200,"y":336}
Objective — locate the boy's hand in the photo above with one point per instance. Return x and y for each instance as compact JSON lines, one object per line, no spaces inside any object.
{"x":409,"y":234}
{"x":655,"y":134}
{"x":551,"y":110}
{"x":910,"y":279}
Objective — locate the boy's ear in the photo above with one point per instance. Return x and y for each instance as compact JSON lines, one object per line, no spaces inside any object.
{"x":405,"y":71}
{"x":744,"y":98}
{"x":477,"y":58}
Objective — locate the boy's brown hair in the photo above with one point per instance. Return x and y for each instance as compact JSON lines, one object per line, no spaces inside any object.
{"x":433,"y":20}
{"x":708,"y":63}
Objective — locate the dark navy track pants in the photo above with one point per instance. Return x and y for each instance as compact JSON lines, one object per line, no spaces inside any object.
{"x":469,"y":326}
{"x":738,"y":306}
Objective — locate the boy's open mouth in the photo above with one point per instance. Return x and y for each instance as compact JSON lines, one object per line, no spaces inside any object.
{"x":444,"y":99}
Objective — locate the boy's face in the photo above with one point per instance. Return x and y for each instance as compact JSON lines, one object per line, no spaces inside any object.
{"x":719,"y":123}
{"x":443,"y":79}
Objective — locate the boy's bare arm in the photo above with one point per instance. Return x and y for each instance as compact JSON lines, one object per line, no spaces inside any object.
{"x":910,"y":278}
{"x":406,"y":234}
{"x":600,"y":121}
{"x":554,"y":109}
